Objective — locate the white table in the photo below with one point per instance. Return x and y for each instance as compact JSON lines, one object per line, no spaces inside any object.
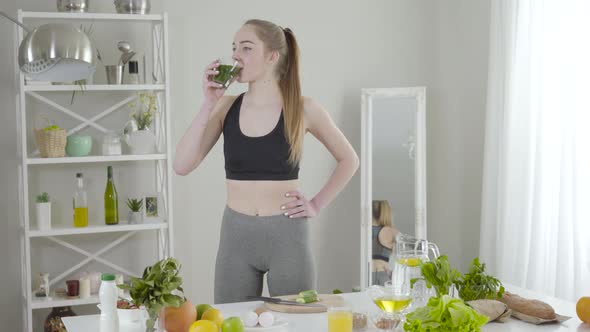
{"x":361,"y":303}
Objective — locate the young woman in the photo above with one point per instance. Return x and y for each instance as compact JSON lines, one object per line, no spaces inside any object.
{"x":265,"y":224}
{"x":383,"y":240}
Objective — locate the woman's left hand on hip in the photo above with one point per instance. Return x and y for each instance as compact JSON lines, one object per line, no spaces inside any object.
{"x":299,"y":206}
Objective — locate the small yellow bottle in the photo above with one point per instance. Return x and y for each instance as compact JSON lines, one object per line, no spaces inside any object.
{"x":80,"y":203}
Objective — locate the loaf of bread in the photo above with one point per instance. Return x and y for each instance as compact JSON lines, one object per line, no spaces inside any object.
{"x":529,"y":307}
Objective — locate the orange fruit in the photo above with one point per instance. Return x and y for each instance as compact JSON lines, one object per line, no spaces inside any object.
{"x":179,"y":319}
{"x":583,"y":309}
{"x":213,"y":315}
{"x":203,"y":326}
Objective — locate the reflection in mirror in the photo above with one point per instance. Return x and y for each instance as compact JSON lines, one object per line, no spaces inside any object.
{"x":394,"y":132}
{"x":393,"y":177}
{"x":382,"y":241}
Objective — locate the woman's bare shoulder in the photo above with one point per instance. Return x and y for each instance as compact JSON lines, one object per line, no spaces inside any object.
{"x":223,"y":106}
{"x":310,"y":104}
{"x":387,"y":236}
{"x":313,"y":113}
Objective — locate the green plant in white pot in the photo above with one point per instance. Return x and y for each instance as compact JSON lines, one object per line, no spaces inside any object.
{"x":157,"y":289}
{"x":142,"y":140}
{"x":134,"y":205}
{"x":43,"y":207}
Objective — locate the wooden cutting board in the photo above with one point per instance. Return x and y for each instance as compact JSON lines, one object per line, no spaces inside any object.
{"x":328,"y":300}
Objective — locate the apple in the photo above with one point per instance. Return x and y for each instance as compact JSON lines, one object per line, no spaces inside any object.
{"x":201,"y":308}
{"x":232,"y":324}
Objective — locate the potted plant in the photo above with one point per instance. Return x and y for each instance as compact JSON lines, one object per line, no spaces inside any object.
{"x":134,"y":216}
{"x":43,"y":207}
{"x":142,"y":140}
{"x":157,"y":289}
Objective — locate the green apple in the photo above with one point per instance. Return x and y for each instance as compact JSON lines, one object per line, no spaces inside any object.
{"x":201,"y":308}
{"x":232,"y":324}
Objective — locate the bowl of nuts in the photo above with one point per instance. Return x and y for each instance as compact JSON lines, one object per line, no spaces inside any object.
{"x":385,"y":321}
{"x":359,"y":321}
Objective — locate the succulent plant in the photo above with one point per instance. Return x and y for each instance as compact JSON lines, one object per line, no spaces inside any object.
{"x":134,"y":204}
{"x":43,"y":198}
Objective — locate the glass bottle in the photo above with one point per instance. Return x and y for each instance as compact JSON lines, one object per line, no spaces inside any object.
{"x":133,"y":77}
{"x":80,"y":203}
{"x":111,"y":200}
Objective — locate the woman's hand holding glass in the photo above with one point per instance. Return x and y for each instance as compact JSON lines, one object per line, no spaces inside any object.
{"x":212,"y":91}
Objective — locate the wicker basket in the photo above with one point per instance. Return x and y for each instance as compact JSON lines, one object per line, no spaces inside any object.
{"x":51,"y":143}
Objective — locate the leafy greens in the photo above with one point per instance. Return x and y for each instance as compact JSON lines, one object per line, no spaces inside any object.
{"x":477,"y":285}
{"x":444,"y":313}
{"x":438,"y":274}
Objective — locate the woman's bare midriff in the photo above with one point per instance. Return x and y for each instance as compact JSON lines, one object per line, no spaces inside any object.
{"x":259,"y":198}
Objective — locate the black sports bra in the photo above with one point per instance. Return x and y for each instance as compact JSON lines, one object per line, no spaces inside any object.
{"x":255,"y":158}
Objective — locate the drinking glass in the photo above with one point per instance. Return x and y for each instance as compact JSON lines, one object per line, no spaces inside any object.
{"x":339,"y":319}
{"x":228,"y":70}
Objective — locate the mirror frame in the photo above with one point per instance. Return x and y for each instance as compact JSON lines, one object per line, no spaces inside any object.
{"x":367,"y":97}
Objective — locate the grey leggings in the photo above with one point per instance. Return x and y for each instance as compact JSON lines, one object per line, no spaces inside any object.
{"x":251,"y":246}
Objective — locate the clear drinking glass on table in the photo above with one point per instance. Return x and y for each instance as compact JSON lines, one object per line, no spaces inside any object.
{"x":339,"y":319}
{"x":394,"y":300}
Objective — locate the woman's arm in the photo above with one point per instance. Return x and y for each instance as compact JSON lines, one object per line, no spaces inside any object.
{"x":321,"y":126}
{"x":201,"y":136}
{"x":206,"y":127}
{"x":319,"y":123}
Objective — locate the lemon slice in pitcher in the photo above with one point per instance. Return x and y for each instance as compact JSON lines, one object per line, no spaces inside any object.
{"x":410,"y":261}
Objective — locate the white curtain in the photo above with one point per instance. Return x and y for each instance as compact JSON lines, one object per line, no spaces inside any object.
{"x":535,"y":230}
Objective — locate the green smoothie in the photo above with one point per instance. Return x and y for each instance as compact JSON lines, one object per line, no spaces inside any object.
{"x":226,"y":74}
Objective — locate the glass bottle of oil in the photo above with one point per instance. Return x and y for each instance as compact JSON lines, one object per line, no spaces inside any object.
{"x":80,"y":203}
{"x":111,"y":200}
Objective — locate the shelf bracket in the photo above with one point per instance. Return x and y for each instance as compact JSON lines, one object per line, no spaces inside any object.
{"x":85,"y":122}
{"x":90,"y":257}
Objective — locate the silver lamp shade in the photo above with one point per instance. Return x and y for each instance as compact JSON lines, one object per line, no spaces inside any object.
{"x":56,"y":52}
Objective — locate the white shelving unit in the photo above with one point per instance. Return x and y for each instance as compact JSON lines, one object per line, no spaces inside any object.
{"x":97,"y":87}
{"x":94,"y":159}
{"x":31,"y":162}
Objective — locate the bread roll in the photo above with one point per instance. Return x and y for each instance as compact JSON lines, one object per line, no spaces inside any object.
{"x":529,"y":307}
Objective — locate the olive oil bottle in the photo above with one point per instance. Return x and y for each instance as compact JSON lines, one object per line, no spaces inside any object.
{"x":80,"y":203}
{"x":111,"y":200}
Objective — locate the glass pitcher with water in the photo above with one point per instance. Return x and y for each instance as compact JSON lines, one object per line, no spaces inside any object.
{"x":410,"y":252}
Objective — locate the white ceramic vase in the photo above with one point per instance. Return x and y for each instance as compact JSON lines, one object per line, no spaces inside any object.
{"x":134,"y":217}
{"x":43,"y":216}
{"x":141,"y":142}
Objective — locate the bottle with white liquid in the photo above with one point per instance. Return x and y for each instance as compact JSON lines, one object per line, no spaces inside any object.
{"x":108,"y":295}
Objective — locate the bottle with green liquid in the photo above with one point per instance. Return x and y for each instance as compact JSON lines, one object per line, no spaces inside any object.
{"x":111,"y":200}
{"x":80,"y":203}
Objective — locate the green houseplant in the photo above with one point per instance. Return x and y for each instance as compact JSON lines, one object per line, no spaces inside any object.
{"x":134,"y":205}
{"x":143,"y":110}
{"x":157,"y":289}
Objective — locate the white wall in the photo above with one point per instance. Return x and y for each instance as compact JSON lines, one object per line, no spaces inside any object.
{"x":344,"y":48}
{"x":456,"y":116}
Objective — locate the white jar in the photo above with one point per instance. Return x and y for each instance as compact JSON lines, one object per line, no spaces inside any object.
{"x":108,"y":294}
{"x":111,"y":145}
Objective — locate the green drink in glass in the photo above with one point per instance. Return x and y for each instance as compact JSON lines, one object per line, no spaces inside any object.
{"x":228,"y":70}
